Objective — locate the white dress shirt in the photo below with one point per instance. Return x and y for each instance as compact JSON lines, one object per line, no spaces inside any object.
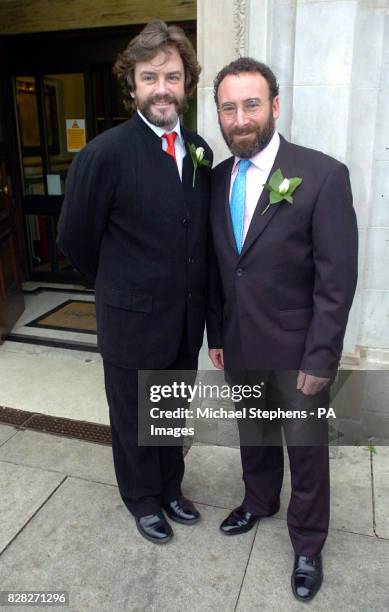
{"x":179,"y":144}
{"x":256,"y":177}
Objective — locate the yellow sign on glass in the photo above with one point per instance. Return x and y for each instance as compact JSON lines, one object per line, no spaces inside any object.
{"x":75,"y":135}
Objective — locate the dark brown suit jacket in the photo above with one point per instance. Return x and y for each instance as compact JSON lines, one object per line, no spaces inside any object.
{"x":284,"y":302}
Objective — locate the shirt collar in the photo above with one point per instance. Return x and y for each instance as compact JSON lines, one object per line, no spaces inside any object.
{"x":159,"y":130}
{"x":264,"y":160}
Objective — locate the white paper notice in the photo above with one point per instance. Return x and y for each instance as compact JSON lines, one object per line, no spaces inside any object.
{"x":54,"y":184}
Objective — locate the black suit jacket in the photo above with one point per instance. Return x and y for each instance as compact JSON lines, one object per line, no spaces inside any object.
{"x":130,"y":224}
{"x":285,"y":300}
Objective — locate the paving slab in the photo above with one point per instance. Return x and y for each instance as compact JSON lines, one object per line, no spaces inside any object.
{"x":66,"y":455}
{"x":6,"y":432}
{"x":213,"y":476}
{"x":57,"y":384}
{"x":22,"y":491}
{"x":381,"y":490}
{"x":351,"y":492}
{"x":84,"y":541}
{"x":22,"y":348}
{"x":356,"y":569}
{"x":351,"y":496}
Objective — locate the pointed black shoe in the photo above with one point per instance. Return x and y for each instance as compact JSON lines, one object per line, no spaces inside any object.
{"x":307,"y":577}
{"x":182,"y":511}
{"x":154,"y":527}
{"x":239,"y":521}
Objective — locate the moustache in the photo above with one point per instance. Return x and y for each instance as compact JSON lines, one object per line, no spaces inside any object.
{"x":242,"y":131}
{"x":165,"y":98}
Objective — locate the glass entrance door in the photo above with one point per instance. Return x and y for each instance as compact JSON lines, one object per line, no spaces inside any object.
{"x":64,"y":95}
{"x":60,"y":106}
{"x":57,"y":114}
{"x":51,"y":115}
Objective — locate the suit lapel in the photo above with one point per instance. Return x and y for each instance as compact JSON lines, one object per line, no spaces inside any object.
{"x":225,"y":187}
{"x":187,"y":170}
{"x":187,"y":167}
{"x":259,"y":221}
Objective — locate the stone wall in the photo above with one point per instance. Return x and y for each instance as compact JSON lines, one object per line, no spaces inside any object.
{"x":331,"y":58}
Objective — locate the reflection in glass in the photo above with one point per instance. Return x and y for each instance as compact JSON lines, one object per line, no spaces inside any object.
{"x":69,"y":104}
{"x":108,"y":110}
{"x":120,"y":114}
{"x":43,"y":251}
{"x":98,"y":99}
{"x":63,"y":98}
{"x":27,"y":110}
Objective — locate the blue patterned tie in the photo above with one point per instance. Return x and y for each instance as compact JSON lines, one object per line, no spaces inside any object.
{"x":237,"y":202}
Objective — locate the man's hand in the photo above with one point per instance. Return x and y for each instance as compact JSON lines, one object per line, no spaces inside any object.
{"x":217,"y":358}
{"x":310,"y":385}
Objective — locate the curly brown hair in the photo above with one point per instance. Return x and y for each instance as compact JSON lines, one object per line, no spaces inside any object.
{"x":154,"y":37}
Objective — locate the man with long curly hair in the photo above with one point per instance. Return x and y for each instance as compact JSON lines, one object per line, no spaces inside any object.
{"x":135,"y":221}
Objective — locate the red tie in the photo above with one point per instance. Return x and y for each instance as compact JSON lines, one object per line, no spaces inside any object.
{"x":170,"y":138}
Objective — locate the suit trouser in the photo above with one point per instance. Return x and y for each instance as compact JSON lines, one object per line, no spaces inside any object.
{"x":307,"y":444}
{"x":147,"y":476}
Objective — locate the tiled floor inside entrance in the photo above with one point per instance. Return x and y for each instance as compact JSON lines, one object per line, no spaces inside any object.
{"x":41,"y":298}
{"x":64,"y":380}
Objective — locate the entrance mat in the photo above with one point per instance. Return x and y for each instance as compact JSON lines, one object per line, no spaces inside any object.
{"x":54,"y":289}
{"x":72,"y":315}
{"x":59,"y":343}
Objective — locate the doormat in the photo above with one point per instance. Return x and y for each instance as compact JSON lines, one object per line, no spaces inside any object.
{"x":72,"y":315}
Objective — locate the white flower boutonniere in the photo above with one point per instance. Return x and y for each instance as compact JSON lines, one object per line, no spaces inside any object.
{"x":281,"y":188}
{"x":197,"y":155}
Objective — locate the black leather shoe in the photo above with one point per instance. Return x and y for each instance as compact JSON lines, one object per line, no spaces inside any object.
{"x":154,"y":527}
{"x":307,"y":577}
{"x":182,"y":511}
{"x":239,"y":521}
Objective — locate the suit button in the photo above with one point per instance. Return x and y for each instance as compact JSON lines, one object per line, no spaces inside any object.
{"x":190,"y":260}
{"x":189,"y":295}
{"x":185,"y":221}
{"x":239,"y":272}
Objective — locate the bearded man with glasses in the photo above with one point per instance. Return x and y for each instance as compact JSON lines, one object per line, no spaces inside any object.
{"x":285,"y":238}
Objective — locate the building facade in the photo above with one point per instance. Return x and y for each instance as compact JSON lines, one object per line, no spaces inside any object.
{"x":332,"y":61}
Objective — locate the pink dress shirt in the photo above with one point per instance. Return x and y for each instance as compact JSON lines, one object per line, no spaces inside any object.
{"x":256,"y":177}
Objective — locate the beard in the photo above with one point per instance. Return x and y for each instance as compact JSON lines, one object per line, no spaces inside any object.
{"x":165,"y":118}
{"x":248,"y":147}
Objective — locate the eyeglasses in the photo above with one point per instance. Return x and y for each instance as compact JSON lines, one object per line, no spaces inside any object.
{"x":250,"y":107}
